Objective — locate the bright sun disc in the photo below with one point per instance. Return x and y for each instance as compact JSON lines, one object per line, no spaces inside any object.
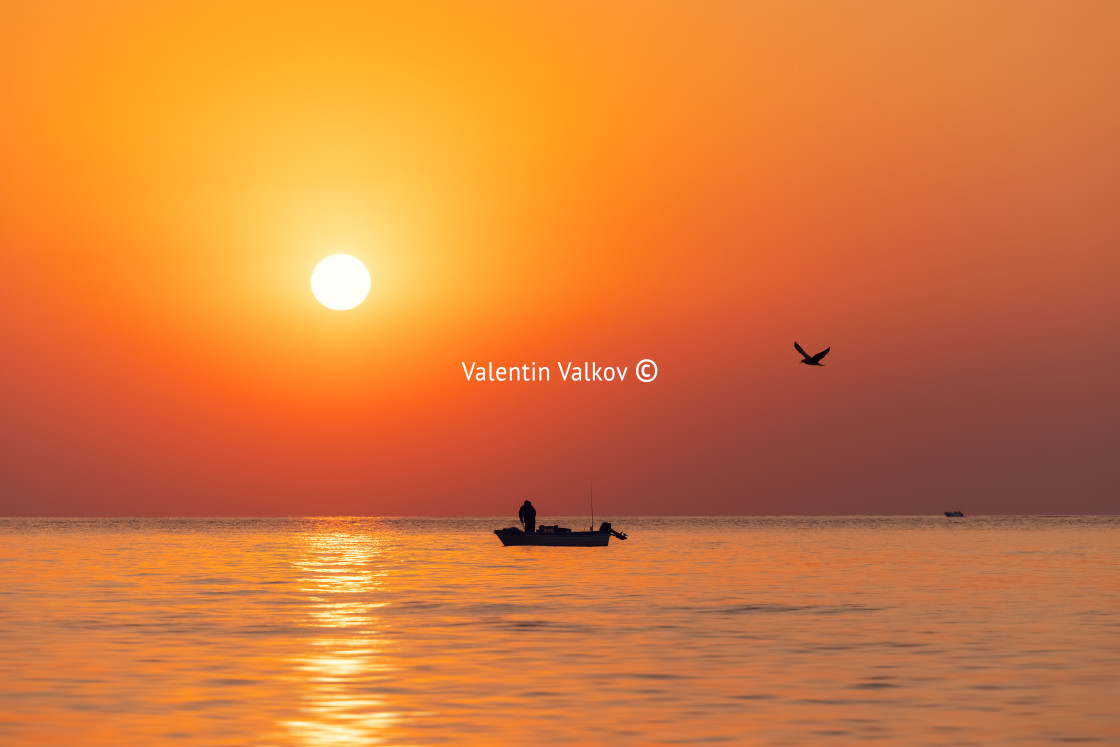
{"x":340,"y":282}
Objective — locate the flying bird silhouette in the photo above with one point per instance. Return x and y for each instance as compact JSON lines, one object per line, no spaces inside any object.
{"x":812,"y":360}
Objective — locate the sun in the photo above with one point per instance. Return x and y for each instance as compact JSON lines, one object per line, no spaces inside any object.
{"x":340,"y":282}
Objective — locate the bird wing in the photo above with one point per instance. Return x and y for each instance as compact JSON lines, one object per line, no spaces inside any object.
{"x":798,"y":349}
{"x":821,"y":354}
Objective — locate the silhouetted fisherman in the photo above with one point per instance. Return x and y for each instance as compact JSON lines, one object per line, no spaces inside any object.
{"x":528,"y":516}
{"x":811,"y":360}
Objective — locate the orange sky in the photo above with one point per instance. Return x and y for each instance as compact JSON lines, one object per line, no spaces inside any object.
{"x":930,"y":188}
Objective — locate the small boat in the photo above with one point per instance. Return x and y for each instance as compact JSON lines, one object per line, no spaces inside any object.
{"x":952,"y":514}
{"x":557,"y":536}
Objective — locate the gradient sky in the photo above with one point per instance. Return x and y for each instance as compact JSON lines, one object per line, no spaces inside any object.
{"x":930,"y":188}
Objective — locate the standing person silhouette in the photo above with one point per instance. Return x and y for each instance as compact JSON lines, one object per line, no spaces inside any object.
{"x":528,"y":516}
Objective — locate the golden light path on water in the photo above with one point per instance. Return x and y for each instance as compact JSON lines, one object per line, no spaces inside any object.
{"x":340,"y":576}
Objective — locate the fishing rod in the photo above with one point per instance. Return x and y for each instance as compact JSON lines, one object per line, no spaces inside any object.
{"x":592,"y":484}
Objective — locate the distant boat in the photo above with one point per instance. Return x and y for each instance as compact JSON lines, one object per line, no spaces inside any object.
{"x":557,"y":536}
{"x":952,"y":514}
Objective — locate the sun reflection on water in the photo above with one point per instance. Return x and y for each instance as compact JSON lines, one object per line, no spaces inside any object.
{"x":339,"y":678}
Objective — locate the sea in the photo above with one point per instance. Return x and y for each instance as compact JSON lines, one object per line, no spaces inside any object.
{"x":322,"y":632}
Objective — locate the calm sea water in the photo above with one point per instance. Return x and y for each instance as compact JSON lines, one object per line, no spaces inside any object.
{"x":768,"y":631}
